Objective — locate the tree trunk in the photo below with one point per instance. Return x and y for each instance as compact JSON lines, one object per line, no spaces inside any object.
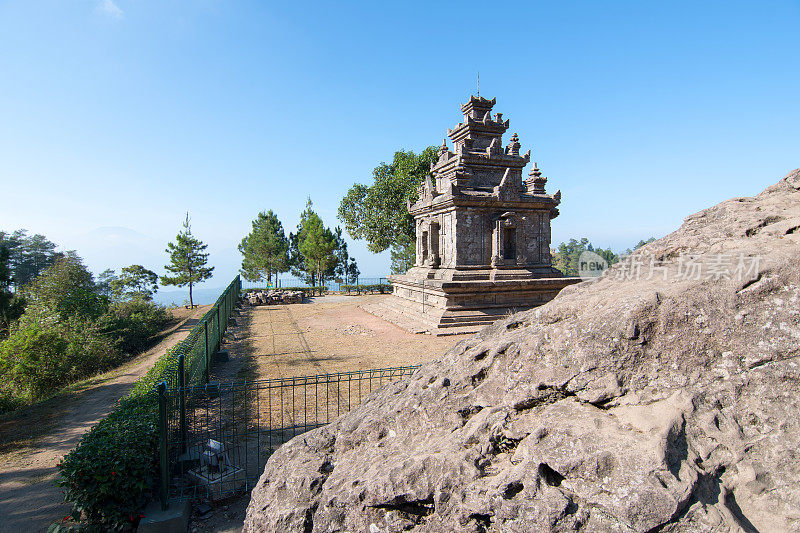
{"x":191,"y":303}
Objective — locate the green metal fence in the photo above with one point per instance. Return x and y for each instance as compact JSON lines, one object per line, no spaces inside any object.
{"x":192,"y":356}
{"x":216,"y":438}
{"x":187,"y":364}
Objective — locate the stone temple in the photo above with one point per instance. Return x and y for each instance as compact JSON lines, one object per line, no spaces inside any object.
{"x":483,"y":234}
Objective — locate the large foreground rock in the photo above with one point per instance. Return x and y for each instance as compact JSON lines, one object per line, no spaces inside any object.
{"x":629,"y":404}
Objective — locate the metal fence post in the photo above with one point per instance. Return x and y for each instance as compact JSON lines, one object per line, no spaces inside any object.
{"x":219,"y":328}
{"x":208,"y":355}
{"x":163,"y":442}
{"x":182,"y":399}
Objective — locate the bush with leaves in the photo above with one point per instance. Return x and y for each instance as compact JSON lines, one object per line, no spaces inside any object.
{"x":64,"y":290}
{"x":109,"y":476}
{"x":131,"y":324}
{"x":69,"y":332}
{"x":112,"y":472}
{"x":135,"y":282}
{"x":39,"y":357}
{"x":382,"y":288}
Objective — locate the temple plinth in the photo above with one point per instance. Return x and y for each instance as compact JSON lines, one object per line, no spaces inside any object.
{"x":483,"y":233}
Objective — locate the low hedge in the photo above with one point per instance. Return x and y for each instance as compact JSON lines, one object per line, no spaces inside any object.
{"x":113,"y":471}
{"x":111,"y":474}
{"x":382,"y":288}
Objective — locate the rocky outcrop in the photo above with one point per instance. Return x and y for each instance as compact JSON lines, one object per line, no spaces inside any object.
{"x":663,"y":400}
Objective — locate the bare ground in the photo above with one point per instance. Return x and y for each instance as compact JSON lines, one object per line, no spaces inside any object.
{"x":330,"y":334}
{"x":34,"y":439}
{"x":324,"y":335}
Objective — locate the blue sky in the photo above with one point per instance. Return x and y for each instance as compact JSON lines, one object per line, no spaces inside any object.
{"x":119,"y":116}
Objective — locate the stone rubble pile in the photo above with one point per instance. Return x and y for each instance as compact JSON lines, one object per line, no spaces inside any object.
{"x":273,"y":297}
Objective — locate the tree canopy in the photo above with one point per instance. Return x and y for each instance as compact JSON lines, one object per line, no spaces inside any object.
{"x":187,"y":260}
{"x":265,"y":249}
{"x":378,"y":213}
{"x":64,"y":290}
{"x":135,"y":282}
{"x":317,"y":253}
{"x":566,"y":256}
{"x":28,"y":256}
{"x":317,"y":246}
{"x":345,"y":266}
{"x":104,"y":282}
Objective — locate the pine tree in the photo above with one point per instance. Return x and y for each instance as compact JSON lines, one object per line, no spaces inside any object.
{"x":188,"y":261}
{"x":296,"y":260}
{"x":317,"y":247}
{"x":265,"y":249}
{"x":344,"y":266}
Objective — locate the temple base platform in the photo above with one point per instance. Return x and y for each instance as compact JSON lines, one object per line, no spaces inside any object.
{"x":430,"y":301}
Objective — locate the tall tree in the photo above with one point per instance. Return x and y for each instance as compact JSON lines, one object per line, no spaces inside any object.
{"x":135,"y":283}
{"x":378,"y":214}
{"x":344,"y":266}
{"x":265,"y":249}
{"x":297,"y":261}
{"x":187,"y":261}
{"x":11,"y":305}
{"x":317,"y":247}
{"x":352,"y":271}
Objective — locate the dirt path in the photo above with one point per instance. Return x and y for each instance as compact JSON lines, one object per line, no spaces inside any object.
{"x":29,"y":500}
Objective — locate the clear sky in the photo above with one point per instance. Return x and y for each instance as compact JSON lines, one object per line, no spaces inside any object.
{"x":118,"y":116}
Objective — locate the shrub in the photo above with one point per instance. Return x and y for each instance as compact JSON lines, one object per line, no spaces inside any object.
{"x":109,"y":475}
{"x":40,"y":357}
{"x":131,"y":324}
{"x":377,"y":287}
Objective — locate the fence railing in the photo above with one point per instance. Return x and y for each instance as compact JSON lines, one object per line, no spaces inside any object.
{"x":188,"y":364}
{"x":192,"y":356}
{"x":216,"y":438}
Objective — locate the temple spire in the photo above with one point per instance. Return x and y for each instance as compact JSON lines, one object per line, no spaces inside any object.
{"x":536,"y":181}
{"x":513,"y":145}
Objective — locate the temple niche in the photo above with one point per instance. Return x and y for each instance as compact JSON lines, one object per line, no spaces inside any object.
{"x":483,"y":233}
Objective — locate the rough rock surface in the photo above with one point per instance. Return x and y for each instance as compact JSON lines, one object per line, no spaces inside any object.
{"x":628,"y":404}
